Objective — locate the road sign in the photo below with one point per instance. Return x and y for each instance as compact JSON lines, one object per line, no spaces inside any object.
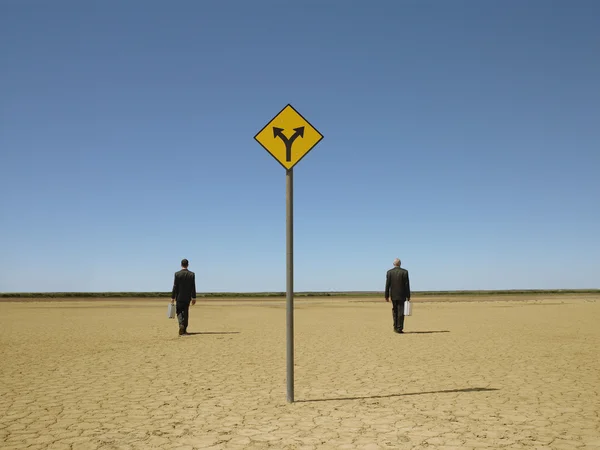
{"x":288,"y":137}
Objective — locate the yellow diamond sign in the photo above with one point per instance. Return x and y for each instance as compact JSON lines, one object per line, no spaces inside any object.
{"x":288,"y":137}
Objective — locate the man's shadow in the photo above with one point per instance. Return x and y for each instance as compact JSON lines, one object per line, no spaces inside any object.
{"x":448,"y":391}
{"x":195,"y":333}
{"x":426,"y":332}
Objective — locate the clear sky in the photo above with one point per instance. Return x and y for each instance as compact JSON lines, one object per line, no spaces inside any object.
{"x":460,"y":136}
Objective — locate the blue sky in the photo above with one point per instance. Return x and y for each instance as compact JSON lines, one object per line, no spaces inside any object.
{"x":462,"y":137}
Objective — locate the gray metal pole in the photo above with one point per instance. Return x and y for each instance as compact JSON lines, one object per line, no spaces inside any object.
{"x":289,"y":196}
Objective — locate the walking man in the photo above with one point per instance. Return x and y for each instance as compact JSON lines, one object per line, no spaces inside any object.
{"x":184,"y":292}
{"x":398,"y":286}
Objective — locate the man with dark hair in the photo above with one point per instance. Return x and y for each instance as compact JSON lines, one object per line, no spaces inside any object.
{"x":184,"y":292}
{"x":398,"y":285}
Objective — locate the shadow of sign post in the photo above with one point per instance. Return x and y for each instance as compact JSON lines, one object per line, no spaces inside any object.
{"x":447,"y":391}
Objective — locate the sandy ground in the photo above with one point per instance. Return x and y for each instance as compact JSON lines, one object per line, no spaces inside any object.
{"x":114,"y":375}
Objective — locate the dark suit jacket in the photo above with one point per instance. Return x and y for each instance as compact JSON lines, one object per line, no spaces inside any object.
{"x":184,"y":286}
{"x":397,"y":284}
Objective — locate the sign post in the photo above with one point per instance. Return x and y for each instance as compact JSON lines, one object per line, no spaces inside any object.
{"x":288,"y":137}
{"x":289,"y":274}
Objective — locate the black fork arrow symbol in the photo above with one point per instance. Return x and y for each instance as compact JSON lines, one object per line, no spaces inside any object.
{"x":278,"y":133}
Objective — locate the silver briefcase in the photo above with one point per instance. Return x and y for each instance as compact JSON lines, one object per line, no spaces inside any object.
{"x":171,"y":311}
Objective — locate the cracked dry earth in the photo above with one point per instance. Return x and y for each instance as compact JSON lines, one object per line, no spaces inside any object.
{"x":115,"y":375}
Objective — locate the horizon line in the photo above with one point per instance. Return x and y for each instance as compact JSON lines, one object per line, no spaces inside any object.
{"x":298,"y":293}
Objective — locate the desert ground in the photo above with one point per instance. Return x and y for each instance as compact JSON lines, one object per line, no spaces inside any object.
{"x":503,"y":372}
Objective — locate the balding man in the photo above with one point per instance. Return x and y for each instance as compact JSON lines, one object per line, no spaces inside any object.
{"x":398,"y":286}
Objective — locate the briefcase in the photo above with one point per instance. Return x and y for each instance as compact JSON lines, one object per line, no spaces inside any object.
{"x":171,"y":311}
{"x":407,"y":308}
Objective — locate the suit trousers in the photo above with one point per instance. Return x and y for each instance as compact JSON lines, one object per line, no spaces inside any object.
{"x":183,"y":313}
{"x":398,"y":312}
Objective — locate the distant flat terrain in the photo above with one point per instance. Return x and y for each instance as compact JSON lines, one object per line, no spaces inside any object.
{"x":470,"y":372}
{"x":457,"y":296}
